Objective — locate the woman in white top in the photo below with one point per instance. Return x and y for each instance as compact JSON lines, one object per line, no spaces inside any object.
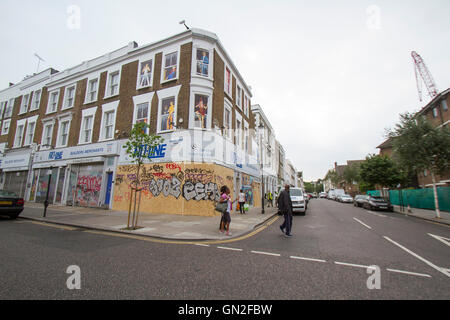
{"x":241,"y":202}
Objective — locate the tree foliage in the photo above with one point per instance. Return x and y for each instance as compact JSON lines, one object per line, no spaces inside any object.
{"x":380,"y":170}
{"x":418,"y":146}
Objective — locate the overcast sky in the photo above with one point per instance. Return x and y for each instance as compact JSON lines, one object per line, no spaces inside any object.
{"x":330,"y":75}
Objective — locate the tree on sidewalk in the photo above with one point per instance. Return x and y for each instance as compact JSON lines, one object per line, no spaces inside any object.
{"x":419,"y":146}
{"x":380,"y":170}
{"x":140,"y":147}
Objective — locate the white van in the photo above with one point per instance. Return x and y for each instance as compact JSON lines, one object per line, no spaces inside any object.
{"x":298,"y":200}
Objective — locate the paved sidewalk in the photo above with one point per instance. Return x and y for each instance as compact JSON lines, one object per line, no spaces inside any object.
{"x":166,"y":226}
{"x":425,"y":214}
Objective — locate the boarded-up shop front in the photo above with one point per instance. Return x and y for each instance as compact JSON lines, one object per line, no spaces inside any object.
{"x":85,"y":184}
{"x":173,"y":188}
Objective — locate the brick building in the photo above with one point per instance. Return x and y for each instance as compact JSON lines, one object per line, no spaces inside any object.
{"x":73,"y":125}
{"x":436,"y":112}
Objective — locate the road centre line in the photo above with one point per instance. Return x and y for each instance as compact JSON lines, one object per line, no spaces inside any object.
{"x":228,"y":248}
{"x":365,"y":225}
{"x":410,"y":273}
{"x":442,"y":270}
{"x":266,"y":253}
{"x":201,"y":244}
{"x":307,"y":259}
{"x":352,"y":265}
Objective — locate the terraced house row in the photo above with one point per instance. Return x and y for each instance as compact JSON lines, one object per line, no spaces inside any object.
{"x":73,"y":124}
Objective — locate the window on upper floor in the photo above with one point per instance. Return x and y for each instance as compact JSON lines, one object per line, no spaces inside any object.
{"x":69,"y":97}
{"x":167,"y":115}
{"x":145,"y":74}
{"x":53,"y":101}
{"x":2,"y":108}
{"x":444,"y":105}
{"x":18,"y":139}
{"x":5,"y":127}
{"x":36,"y":100}
{"x":170,"y":66}
{"x":227,"y":81}
{"x":86,"y":130}
{"x":108,"y":122}
{"x":63,"y":132}
{"x":9,"y":108}
{"x":435,"y":112}
{"x":238,"y":132}
{"x":25,"y":103}
{"x":167,"y":109}
{"x":202,"y":57}
{"x":142,"y":113}
{"x":246,"y":106}
{"x":92,"y":90}
{"x":201,"y":111}
{"x":113,"y":84}
{"x":238,"y":96}
{"x":46,"y":140}
{"x":31,"y":126}
{"x":227,"y":120}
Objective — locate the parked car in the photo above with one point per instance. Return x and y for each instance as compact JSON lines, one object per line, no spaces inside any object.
{"x":377,"y":203}
{"x":345,"y":198}
{"x":323,"y":195}
{"x":359,"y":200}
{"x":10,"y":204}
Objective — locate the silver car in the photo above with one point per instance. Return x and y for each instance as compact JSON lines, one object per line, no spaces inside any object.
{"x":299,"y":203}
{"x":345,"y":198}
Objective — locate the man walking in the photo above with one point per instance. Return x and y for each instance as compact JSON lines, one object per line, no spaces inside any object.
{"x":285,"y":206}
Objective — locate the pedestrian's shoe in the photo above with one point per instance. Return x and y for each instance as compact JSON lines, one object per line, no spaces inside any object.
{"x":228,"y":233}
{"x":288,"y":235}
{"x":282,"y":229}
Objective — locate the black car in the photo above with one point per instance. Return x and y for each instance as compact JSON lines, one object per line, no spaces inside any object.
{"x":359,"y":200}
{"x":10,"y":204}
{"x":377,"y":203}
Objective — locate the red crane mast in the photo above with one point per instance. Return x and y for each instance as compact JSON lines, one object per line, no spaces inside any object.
{"x":421,"y":69}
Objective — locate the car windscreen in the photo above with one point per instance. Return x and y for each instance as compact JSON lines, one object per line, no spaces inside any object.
{"x":5,"y":193}
{"x":295,"y":193}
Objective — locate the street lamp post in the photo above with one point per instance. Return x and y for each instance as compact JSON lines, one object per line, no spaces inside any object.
{"x":48,"y":190}
{"x":261,"y":127}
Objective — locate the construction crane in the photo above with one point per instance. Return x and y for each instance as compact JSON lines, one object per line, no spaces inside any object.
{"x":425,"y":74}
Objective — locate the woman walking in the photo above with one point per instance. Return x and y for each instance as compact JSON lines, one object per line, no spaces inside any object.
{"x":226,"y":217}
{"x":241,"y":201}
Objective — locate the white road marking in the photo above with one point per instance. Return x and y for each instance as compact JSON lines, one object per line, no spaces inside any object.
{"x":365,"y":225}
{"x":442,"y":239}
{"x":376,"y":214}
{"x":308,"y":259}
{"x":267,"y":253}
{"x":227,"y":248}
{"x":202,"y":245}
{"x":352,"y":265}
{"x":410,"y":273}
{"x":444,"y":271}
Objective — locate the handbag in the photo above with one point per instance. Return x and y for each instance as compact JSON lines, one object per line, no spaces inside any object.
{"x":221,"y":207}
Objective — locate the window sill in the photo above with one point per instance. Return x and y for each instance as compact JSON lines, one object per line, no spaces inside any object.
{"x":104,"y":140}
{"x":84,"y":143}
{"x":66,"y":108}
{"x":50,"y":112}
{"x":169,"y":80}
{"x":113,"y":96}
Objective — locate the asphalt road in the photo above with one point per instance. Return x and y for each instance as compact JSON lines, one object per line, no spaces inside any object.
{"x":327,"y":258}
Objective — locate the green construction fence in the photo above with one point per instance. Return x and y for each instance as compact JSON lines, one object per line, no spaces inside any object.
{"x":419,"y":198}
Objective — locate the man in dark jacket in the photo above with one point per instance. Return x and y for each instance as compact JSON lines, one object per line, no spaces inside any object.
{"x":285,"y":206}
